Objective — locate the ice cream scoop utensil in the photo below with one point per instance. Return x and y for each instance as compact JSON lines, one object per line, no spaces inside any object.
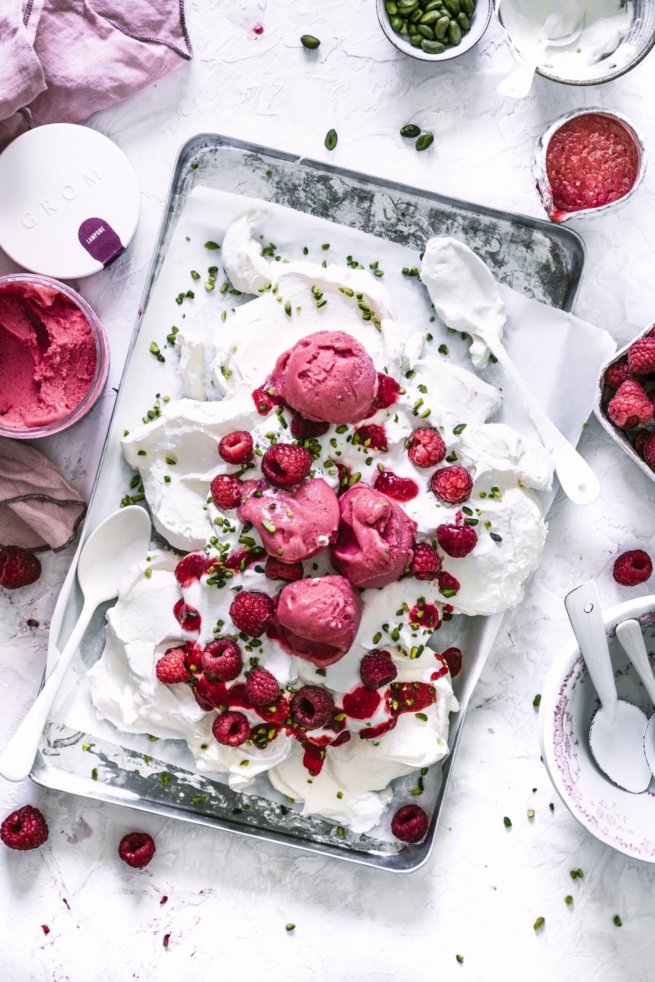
{"x":115,"y":545}
{"x":616,"y":734}
{"x":632,"y":642}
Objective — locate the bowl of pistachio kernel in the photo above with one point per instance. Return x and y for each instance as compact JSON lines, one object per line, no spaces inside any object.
{"x":434,"y":30}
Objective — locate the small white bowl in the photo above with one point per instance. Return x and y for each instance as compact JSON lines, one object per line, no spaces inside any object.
{"x":622,"y":820}
{"x":479,"y":24}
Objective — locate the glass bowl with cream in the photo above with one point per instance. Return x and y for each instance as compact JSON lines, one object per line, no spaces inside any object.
{"x":53,"y":356}
{"x":579,"y":42}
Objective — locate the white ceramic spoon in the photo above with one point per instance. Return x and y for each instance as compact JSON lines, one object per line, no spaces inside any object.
{"x":616,"y":734}
{"x":116,"y":544}
{"x":451,"y":273}
{"x":632,"y":642}
{"x":518,"y":83}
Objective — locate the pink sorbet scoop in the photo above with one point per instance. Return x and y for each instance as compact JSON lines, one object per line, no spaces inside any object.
{"x":293,"y":525}
{"x":376,"y":538}
{"x":328,"y":377}
{"x":319,"y":618}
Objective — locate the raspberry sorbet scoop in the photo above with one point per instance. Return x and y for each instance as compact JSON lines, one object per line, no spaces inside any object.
{"x":328,"y":377}
{"x":293,"y":525}
{"x":318,"y":619}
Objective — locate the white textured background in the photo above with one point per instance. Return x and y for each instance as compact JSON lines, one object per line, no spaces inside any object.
{"x":229,"y":898}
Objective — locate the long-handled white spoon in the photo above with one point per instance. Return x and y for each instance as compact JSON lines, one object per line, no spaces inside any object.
{"x":115,"y":545}
{"x":518,"y":83}
{"x":632,"y":642}
{"x":452,"y":272}
{"x":616,"y":734}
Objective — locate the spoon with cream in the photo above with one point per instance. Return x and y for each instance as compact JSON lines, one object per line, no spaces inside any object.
{"x":452,"y":272}
{"x":517,"y":85}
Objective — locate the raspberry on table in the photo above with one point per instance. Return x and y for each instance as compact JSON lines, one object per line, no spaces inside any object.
{"x":312,"y":706}
{"x":398,"y":488}
{"x":262,"y":687}
{"x":172,"y":667}
{"x":409,"y":824}
{"x":231,"y":728}
{"x":307,"y":429}
{"x":277,"y":570}
{"x":136,"y":849}
{"x":641,"y":356}
{"x":617,"y":372}
{"x":18,"y":568}
{"x":26,"y":828}
{"x":286,"y":464}
{"x":453,"y":485}
{"x":426,"y":447}
{"x":426,"y":563}
{"x":221,"y":659}
{"x":371,"y":435}
{"x":377,"y":669}
{"x":225,"y":489}
{"x":236,"y":447}
{"x":633,"y":567}
{"x":457,"y":540}
{"x":630,"y":406}
{"x":453,"y":659}
{"x":252,"y":612}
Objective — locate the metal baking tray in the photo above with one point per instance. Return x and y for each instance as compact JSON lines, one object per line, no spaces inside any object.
{"x":534,"y":257}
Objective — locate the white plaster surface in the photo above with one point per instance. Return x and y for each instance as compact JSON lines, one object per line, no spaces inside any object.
{"x":229,"y":898}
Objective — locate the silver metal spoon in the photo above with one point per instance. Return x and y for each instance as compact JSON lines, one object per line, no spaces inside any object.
{"x":616,"y":734}
{"x":632,"y":642}
{"x":115,"y":545}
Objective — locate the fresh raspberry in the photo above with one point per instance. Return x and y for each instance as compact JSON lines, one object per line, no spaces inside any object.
{"x":452,"y":484}
{"x":136,"y":849}
{"x":448,"y":585}
{"x":265,"y":400}
{"x":632,"y":567}
{"x":377,"y":669}
{"x":371,"y":435}
{"x":457,"y":540}
{"x":398,"y":488}
{"x":616,"y":373}
{"x":252,"y":612}
{"x":644,"y":445}
{"x":453,"y":659}
{"x":226,"y":491}
{"x":641,"y":356}
{"x":412,"y":697}
{"x":630,"y":406}
{"x":285,"y":464}
{"x":231,"y":728}
{"x":172,"y":668}
{"x":388,"y":392}
{"x":262,"y":687}
{"x":243,"y":558}
{"x":221,"y":659}
{"x":25,"y":828}
{"x":18,"y":568}
{"x":426,"y":447}
{"x":276,"y":570}
{"x":191,"y":568}
{"x":312,"y":706}
{"x":426,"y":563}
{"x":307,"y":429}
{"x":236,"y":447}
{"x":409,"y":824}
{"x":426,"y":616}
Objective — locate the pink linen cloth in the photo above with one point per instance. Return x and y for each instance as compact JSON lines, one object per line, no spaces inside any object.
{"x":62,"y":60}
{"x":38,"y":507}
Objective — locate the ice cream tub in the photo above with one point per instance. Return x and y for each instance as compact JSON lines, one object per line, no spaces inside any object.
{"x":53,"y":356}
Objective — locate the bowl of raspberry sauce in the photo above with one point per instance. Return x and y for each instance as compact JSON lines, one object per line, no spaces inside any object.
{"x":588,"y":162}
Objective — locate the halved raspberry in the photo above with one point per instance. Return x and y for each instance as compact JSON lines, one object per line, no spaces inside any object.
{"x":630,"y":406}
{"x":409,"y":824}
{"x":617,"y":373}
{"x":641,"y":356}
{"x":307,"y":429}
{"x":265,"y":400}
{"x":276,"y":570}
{"x":377,"y":669}
{"x":426,"y":563}
{"x":26,"y":828}
{"x":398,"y":488}
{"x":452,"y":485}
{"x":231,"y":728}
{"x":453,"y":659}
{"x":371,"y":435}
{"x":252,"y":612}
{"x":136,"y":849}
{"x":424,"y":615}
{"x":18,"y":568}
{"x":172,"y":668}
{"x":262,"y":687}
{"x":191,"y":568}
{"x":285,"y":464}
{"x":457,"y":540}
{"x":236,"y":447}
{"x":388,"y":392}
{"x":312,"y":706}
{"x":632,"y":567}
{"x":448,"y":585}
{"x":221,"y":659}
{"x":426,"y":447}
{"x":226,"y":491}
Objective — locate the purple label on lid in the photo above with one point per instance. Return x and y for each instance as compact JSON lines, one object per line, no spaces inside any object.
{"x":100,"y":240}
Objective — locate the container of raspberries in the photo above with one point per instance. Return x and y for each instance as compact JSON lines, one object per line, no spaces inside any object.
{"x":625,"y":404}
